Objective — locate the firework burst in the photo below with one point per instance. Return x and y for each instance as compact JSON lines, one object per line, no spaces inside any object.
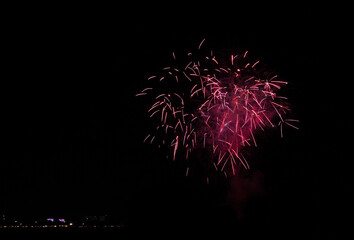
{"x":215,"y":102}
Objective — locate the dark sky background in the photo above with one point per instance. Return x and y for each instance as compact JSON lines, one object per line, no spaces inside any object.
{"x":76,"y":141}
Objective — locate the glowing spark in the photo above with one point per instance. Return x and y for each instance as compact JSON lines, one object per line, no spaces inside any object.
{"x":201,"y":43}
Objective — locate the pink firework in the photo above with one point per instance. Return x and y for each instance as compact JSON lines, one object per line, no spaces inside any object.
{"x":214,"y":102}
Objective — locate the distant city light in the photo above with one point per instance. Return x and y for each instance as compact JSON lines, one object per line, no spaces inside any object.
{"x":53,"y":222}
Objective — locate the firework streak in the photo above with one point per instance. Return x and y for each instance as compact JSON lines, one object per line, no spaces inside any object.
{"x":216,"y":103}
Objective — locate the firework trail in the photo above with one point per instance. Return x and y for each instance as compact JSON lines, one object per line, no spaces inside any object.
{"x":214,"y":102}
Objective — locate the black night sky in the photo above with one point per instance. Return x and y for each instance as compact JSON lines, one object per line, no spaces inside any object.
{"x":77,"y":136}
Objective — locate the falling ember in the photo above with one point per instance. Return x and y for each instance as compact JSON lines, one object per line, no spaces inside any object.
{"x":218,"y":104}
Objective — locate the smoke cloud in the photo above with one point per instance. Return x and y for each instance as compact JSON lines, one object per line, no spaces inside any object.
{"x":244,"y":193}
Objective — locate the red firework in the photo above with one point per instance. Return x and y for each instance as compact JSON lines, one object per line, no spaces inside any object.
{"x":217,"y":103}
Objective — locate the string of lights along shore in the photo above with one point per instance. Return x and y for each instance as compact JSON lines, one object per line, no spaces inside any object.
{"x":215,"y":102}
